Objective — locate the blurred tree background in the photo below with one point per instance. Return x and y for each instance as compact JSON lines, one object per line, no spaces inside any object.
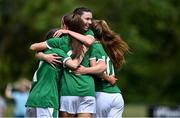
{"x":150,"y":27}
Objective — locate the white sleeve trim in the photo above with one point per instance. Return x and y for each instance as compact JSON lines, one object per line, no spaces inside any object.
{"x":100,"y":60}
{"x":64,"y":62}
{"x":47,"y":45}
{"x":92,"y":58}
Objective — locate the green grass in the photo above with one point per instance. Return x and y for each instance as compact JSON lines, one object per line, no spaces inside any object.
{"x":135,"y":111}
{"x":129,"y":111}
{"x":9,"y":111}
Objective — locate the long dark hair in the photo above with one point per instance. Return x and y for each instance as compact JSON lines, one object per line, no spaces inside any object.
{"x":80,"y":10}
{"x":76,"y":24}
{"x":50,"y":33}
{"x":111,"y":41}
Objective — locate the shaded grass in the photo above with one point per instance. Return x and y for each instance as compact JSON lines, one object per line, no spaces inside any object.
{"x":9,"y":110}
{"x":135,"y":111}
{"x":129,"y":111}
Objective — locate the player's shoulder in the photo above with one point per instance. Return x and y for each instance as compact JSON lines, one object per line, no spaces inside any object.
{"x":89,"y":32}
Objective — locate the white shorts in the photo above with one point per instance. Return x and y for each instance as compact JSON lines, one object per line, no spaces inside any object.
{"x":41,"y":112}
{"x":109,"y":105}
{"x":77,"y":104}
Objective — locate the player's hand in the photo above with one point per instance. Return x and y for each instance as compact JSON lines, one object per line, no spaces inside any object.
{"x":53,"y":59}
{"x":80,"y":70}
{"x":60,"y":32}
{"x":111,"y":79}
{"x":9,"y":86}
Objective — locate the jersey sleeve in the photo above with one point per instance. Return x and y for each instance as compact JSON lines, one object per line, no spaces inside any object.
{"x":54,"y":42}
{"x":97,"y":52}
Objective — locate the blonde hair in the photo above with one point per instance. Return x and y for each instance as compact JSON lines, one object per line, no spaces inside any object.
{"x":22,"y":82}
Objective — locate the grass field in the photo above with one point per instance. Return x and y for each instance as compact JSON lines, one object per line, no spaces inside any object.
{"x":129,"y":111}
{"x":9,"y":110}
{"x":135,"y":111}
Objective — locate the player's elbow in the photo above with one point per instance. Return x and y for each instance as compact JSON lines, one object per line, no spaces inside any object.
{"x":33,"y":47}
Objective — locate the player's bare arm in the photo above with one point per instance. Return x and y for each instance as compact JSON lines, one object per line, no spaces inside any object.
{"x":86,"y":39}
{"x":38,"y":46}
{"x":74,"y":63}
{"x":99,"y":68}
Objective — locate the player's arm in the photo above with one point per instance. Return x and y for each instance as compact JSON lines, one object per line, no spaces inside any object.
{"x":8,"y":91}
{"x":50,"y":43}
{"x":86,"y":39}
{"x":99,"y":68}
{"x":74,"y":63}
{"x":110,"y":78}
{"x":96,"y":69}
{"x":38,"y":46}
{"x":53,"y":59}
{"x":50,"y":58}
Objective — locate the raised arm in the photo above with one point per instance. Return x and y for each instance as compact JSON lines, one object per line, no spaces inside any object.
{"x":38,"y":46}
{"x":8,"y":91}
{"x":86,"y":39}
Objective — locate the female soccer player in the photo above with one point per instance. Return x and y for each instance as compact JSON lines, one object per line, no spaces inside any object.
{"x":109,"y":101}
{"x":43,"y":100}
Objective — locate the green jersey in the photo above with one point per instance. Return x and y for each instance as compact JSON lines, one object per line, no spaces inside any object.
{"x":44,"y":91}
{"x":89,"y":32}
{"x":73,"y":84}
{"x":100,"y":84}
